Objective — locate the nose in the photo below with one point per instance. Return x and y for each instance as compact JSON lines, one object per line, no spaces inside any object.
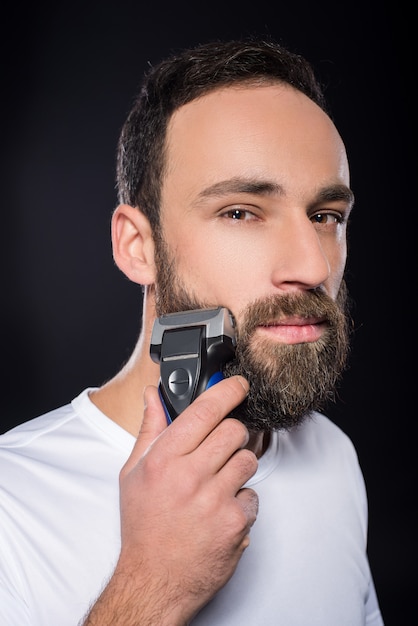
{"x":301,"y":260}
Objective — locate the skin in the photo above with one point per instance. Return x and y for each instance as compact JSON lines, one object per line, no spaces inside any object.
{"x":233,"y":242}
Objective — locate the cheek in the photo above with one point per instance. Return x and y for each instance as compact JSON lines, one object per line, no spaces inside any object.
{"x":219,"y":271}
{"x":337,"y":265}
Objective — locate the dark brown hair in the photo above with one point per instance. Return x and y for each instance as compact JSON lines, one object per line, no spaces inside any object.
{"x":182,"y":78}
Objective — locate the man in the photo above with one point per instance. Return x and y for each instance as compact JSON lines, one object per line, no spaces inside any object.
{"x":250,"y":507}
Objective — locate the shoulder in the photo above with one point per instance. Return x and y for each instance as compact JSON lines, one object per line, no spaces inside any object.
{"x":71,"y":437}
{"x":27,"y":432}
{"x":47,"y":436}
{"x":321,"y":447}
{"x":322,"y":435}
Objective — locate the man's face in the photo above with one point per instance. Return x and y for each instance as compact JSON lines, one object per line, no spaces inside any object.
{"x":254,"y":209}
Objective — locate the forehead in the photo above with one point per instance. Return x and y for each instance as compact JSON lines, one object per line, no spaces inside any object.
{"x":270,"y":130}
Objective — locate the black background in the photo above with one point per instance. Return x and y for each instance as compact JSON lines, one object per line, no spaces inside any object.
{"x":69,"y":317}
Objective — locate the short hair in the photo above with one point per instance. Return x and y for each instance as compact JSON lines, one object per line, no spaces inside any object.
{"x":181,"y":78}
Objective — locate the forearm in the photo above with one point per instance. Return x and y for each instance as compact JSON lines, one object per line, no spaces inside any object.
{"x":131,"y":600}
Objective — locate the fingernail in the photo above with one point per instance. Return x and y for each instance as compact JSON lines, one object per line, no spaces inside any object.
{"x":244,"y":382}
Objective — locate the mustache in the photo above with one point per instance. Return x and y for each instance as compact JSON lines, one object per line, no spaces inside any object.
{"x":277,"y":307}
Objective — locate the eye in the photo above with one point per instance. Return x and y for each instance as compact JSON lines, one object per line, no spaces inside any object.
{"x":328,"y":218}
{"x":239,"y":214}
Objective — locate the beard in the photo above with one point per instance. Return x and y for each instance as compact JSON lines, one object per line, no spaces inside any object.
{"x":288,"y":382}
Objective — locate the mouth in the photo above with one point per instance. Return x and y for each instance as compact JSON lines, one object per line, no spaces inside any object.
{"x":292,"y":330}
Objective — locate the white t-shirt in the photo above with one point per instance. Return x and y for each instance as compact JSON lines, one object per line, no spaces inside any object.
{"x":60,"y":529}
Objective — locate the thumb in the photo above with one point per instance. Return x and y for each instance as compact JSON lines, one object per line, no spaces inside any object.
{"x":153,"y":424}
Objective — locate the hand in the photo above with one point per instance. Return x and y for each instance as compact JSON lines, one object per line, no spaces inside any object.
{"x":185,"y":517}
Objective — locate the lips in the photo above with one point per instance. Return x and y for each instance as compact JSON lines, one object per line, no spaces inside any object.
{"x":292,"y":330}
{"x":295,"y":321}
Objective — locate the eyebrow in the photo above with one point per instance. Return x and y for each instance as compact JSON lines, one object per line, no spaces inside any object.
{"x":241,"y":185}
{"x":333,"y":193}
{"x":330,"y":193}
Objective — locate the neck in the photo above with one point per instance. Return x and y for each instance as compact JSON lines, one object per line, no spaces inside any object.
{"x":121,"y":398}
{"x":258,"y":443}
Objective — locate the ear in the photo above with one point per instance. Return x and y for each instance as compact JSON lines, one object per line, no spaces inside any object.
{"x":133,"y":244}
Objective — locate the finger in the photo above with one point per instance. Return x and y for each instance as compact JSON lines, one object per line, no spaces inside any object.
{"x":224,"y":440}
{"x":249,"y":502}
{"x":233,"y":476}
{"x":194,"y":424}
{"x":153,"y":424}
